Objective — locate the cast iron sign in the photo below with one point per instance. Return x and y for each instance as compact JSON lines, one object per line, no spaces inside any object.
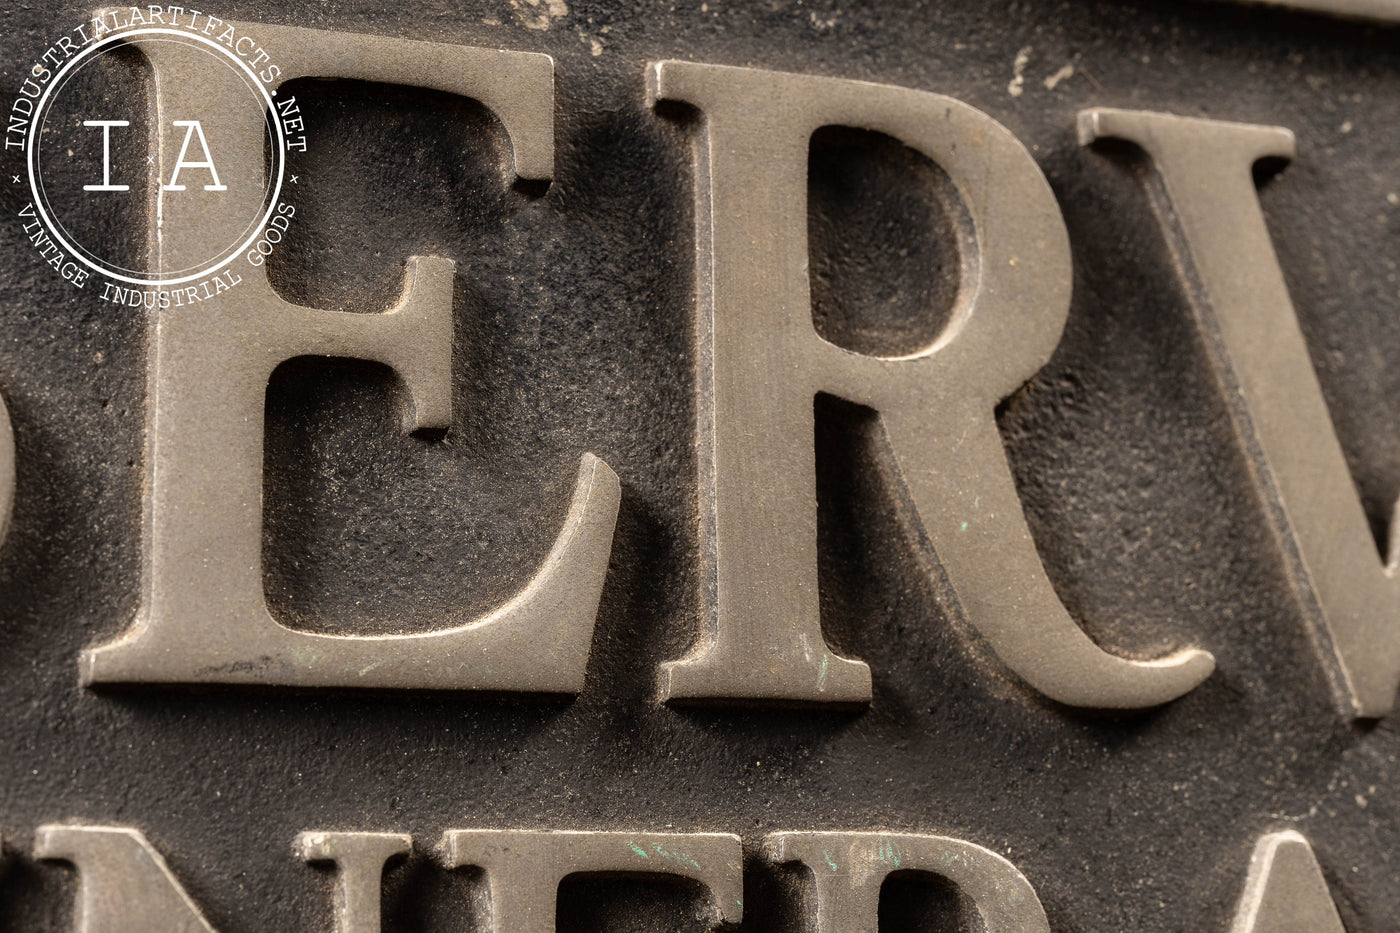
{"x":798,"y":465}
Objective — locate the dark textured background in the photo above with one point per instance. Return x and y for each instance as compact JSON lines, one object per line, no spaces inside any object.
{"x":575,"y":313}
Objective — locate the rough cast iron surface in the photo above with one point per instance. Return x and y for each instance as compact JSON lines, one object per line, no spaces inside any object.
{"x":574,"y":321}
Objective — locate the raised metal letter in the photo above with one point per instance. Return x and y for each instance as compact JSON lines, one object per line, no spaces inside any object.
{"x":1210,"y":213}
{"x":203,"y":617}
{"x":762,"y":363}
{"x":847,"y":870}
{"x":1285,"y":891}
{"x":124,"y":885}
{"x":359,"y":859}
{"x":523,"y":868}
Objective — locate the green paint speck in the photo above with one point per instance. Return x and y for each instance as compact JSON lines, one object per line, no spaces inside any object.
{"x":638,"y":849}
{"x":826,"y":662}
{"x":830,"y":862}
{"x":677,"y":857}
{"x":964,"y":527}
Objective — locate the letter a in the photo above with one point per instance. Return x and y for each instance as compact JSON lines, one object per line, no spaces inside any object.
{"x":1285,"y":891}
{"x":191,"y":128}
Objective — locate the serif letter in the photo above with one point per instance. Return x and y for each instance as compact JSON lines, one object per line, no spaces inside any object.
{"x":763,"y":362}
{"x":204,"y":617}
{"x":192,"y":129}
{"x":106,"y":155}
{"x":1209,"y":209}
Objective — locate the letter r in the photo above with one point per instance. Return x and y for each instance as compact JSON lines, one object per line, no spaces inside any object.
{"x":762,"y":362}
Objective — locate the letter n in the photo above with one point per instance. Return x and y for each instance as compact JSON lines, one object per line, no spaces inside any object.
{"x":125,"y":886}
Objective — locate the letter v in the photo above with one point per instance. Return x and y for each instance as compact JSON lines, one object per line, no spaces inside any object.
{"x":1209,"y":209}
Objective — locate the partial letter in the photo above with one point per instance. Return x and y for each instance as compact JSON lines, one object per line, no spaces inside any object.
{"x":1209,"y":210}
{"x":523,"y":868}
{"x":848,"y":869}
{"x":1285,"y":891}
